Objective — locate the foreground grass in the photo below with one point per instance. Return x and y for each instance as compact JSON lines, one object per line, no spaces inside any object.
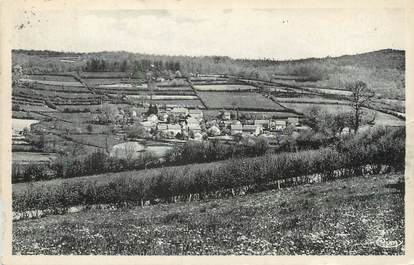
{"x":356,"y":216}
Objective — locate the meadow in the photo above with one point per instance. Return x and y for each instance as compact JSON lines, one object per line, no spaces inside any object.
{"x":296,"y":221}
{"x":225,"y":88}
{"x":232,"y":100}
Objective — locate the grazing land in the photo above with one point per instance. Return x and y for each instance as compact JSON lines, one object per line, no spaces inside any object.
{"x":241,"y":100}
{"x":355,"y":216}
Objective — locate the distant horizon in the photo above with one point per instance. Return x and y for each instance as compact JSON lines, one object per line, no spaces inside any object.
{"x":277,"y":34}
{"x":215,"y":55}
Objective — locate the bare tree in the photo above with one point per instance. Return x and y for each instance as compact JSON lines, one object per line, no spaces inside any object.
{"x":361,"y":97}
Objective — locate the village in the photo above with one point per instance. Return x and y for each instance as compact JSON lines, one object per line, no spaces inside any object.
{"x":183,"y":124}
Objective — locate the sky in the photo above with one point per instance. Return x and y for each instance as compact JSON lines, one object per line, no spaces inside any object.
{"x":239,"y":33}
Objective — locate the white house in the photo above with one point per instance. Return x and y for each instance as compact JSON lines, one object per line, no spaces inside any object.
{"x":196,"y":114}
{"x":236,"y":129}
{"x":180,"y":111}
{"x":293,"y":121}
{"x":277,"y":125}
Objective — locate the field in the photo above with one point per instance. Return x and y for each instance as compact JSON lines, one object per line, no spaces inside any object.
{"x":225,"y":88}
{"x":60,"y":78}
{"x":20,"y":124}
{"x":380,"y":119}
{"x":23,"y":157}
{"x":190,"y":103}
{"x":312,"y":99}
{"x":55,"y":83}
{"x":356,"y":216}
{"x":232,"y":100}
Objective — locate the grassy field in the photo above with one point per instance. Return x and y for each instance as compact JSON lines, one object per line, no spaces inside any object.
{"x":191,"y":103}
{"x":25,"y":157}
{"x":224,"y":88}
{"x":356,"y":216}
{"x":380,"y":119}
{"x":230,"y":100}
{"x":55,"y":83}
{"x":60,"y":78}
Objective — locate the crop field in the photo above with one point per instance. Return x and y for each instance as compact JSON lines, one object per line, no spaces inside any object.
{"x":231,"y":100}
{"x":54,"y":83}
{"x":82,"y":107}
{"x":59,"y":78}
{"x":190,"y":103}
{"x":164,"y":97}
{"x":255,"y":115}
{"x":111,"y":81}
{"x":43,"y":87}
{"x":310,"y":99}
{"x":225,"y":88}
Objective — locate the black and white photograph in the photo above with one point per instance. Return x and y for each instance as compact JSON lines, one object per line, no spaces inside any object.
{"x":208,"y":131}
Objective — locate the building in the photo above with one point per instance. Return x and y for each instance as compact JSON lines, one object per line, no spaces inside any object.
{"x":180,"y":111}
{"x":148,"y":125}
{"x":225,"y":115}
{"x":263,"y":123}
{"x":293,"y":121}
{"x":236,"y":129}
{"x":277,"y":125}
{"x":196,"y":114}
{"x":194,"y":127}
{"x":173,"y":129}
{"x":252,"y":129}
{"x":198,"y":136}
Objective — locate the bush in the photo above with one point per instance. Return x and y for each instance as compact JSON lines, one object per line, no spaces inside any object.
{"x":351,"y":156}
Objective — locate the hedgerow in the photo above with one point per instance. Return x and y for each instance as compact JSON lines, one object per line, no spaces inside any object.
{"x":367,"y":153}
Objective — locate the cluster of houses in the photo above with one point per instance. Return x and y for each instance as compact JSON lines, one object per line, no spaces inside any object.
{"x":183,"y":123}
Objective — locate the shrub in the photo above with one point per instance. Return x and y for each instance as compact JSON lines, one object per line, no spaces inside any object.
{"x":350,"y":156}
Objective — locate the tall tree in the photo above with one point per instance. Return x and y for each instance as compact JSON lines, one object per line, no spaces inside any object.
{"x":361,"y":97}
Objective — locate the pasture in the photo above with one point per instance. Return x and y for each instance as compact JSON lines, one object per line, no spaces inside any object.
{"x":58,"y":78}
{"x":54,"y":83}
{"x":225,"y":88}
{"x":233,"y":100}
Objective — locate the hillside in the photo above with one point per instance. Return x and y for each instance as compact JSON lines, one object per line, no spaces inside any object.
{"x":382,"y":70}
{"x":355,"y":216}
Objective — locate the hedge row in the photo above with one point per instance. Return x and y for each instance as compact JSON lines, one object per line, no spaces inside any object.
{"x":370,"y":153}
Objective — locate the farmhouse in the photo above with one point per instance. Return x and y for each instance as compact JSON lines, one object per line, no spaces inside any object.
{"x":196,"y":114}
{"x":226,"y":115}
{"x":236,"y":128}
{"x":277,"y":125}
{"x":263,"y":123}
{"x":252,"y":129}
{"x":148,"y":125}
{"x":180,"y":111}
{"x":194,"y":127}
{"x":198,"y":136}
{"x":173,"y":129}
{"x":293,"y":120}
